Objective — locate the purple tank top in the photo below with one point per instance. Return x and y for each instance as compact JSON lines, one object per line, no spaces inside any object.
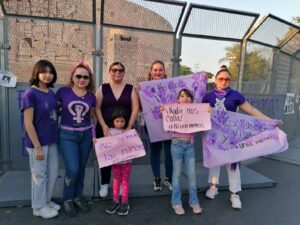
{"x":109,"y":102}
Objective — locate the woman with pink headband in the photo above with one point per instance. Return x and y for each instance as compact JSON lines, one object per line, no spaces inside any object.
{"x":76,"y":133}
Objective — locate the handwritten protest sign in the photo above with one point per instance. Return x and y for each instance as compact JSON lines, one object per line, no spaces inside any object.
{"x":186,"y":118}
{"x":118,"y":148}
{"x":236,"y":137}
{"x":157,"y":92}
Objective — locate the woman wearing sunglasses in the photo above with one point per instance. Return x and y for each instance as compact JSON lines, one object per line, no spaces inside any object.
{"x":225,"y":98}
{"x":116,"y":93}
{"x":77,"y":102}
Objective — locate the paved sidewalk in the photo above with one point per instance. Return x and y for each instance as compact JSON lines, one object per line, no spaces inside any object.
{"x":279,"y":205}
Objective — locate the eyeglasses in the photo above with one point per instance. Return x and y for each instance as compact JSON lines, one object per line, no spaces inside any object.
{"x":79,"y":76}
{"x":117,"y":70}
{"x":223,"y":79}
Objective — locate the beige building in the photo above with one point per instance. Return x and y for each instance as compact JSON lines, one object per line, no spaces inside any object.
{"x":64,"y":43}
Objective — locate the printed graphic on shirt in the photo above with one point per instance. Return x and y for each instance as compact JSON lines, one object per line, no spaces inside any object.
{"x":53,"y":115}
{"x":220,"y":104}
{"x":78,"y":110}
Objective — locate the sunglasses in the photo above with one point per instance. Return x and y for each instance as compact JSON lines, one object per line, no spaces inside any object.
{"x":223,"y":79}
{"x":85,"y":77}
{"x":117,"y":70}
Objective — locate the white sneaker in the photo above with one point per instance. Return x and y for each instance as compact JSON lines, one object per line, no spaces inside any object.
{"x":53,"y":205}
{"x":235,"y":201}
{"x":212,"y":192}
{"x":45,"y":212}
{"x":103,"y":190}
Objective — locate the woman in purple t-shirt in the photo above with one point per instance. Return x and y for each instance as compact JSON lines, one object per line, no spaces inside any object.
{"x":224,"y":98}
{"x":77,"y":102}
{"x":39,"y":108}
{"x":116,"y":93}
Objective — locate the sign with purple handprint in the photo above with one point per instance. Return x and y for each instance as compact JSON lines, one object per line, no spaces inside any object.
{"x":236,"y":137}
{"x":154,"y":93}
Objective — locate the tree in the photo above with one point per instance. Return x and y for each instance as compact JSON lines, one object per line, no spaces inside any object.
{"x":256,"y":65}
{"x":296,"y":20}
{"x":233,"y":55}
{"x":209,"y":75}
{"x":185,"y":70}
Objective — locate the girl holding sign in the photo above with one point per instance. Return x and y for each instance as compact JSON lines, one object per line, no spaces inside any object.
{"x":224,"y":98}
{"x":121,"y":171}
{"x":183,"y":150}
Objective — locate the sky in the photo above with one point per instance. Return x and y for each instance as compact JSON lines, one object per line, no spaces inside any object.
{"x":201,"y":54}
{"x":284,"y":9}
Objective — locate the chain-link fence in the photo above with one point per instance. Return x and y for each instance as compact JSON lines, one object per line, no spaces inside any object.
{"x":263,"y":56}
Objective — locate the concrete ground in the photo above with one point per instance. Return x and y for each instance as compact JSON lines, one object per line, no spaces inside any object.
{"x":277,"y":205}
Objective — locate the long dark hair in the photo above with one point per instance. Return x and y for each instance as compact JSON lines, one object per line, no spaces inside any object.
{"x":187,"y":92}
{"x":119,"y":112}
{"x":41,"y":67}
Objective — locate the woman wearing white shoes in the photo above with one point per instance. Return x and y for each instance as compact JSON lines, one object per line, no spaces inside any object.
{"x":109,"y":96}
{"x":39,"y":108}
{"x":224,"y":98}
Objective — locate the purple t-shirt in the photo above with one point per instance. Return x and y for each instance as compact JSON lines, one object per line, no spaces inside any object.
{"x":44,"y":117}
{"x":229,"y":102}
{"x":75,"y":110}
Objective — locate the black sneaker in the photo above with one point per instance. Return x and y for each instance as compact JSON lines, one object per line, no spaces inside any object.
{"x":69,"y":208}
{"x":81,"y":204}
{"x":157,"y":184}
{"x":124,"y":210}
{"x":168,"y":183}
{"x":113,"y":207}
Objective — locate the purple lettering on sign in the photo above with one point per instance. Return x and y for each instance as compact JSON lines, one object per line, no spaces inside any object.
{"x":236,"y":137}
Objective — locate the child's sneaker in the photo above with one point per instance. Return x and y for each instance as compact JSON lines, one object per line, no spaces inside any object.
{"x":157,"y":184}
{"x":235,"y":201}
{"x":113,"y":207}
{"x":196,"y":208}
{"x":178,"y":209}
{"x":103,"y":190}
{"x":45,"y":212}
{"x":168,"y":183}
{"x":124,"y":210}
{"x":53,"y":205}
{"x":212,"y":192}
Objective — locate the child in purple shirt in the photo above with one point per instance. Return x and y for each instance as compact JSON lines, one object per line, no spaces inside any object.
{"x":39,"y":108}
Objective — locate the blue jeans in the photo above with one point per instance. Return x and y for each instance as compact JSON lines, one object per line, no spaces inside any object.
{"x":75,"y":148}
{"x":155,"y":158}
{"x":183,"y":151}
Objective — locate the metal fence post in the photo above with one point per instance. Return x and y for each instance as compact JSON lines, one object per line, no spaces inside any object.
{"x":4,"y":126}
{"x":98,"y":56}
{"x":176,"y":56}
